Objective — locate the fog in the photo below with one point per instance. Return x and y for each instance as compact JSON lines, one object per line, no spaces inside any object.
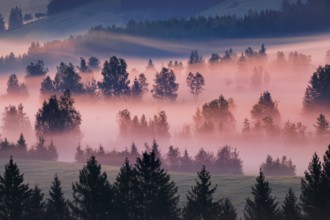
{"x":287,"y":84}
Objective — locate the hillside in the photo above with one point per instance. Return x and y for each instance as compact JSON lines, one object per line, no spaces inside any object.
{"x":237,"y":188}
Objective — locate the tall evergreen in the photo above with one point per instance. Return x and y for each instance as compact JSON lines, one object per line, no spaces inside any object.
{"x":36,"y":205}
{"x":228,"y":211}
{"x":263,"y":206}
{"x":15,"y":18}
{"x":125,"y":193}
{"x":326,"y":181}
{"x":92,"y":194}
{"x":291,"y":209}
{"x":21,"y":143}
{"x":156,"y":192}
{"x":322,"y":126}
{"x":200,"y":202}
{"x":311,"y":194}
{"x":14,"y":194}
{"x":57,"y":206}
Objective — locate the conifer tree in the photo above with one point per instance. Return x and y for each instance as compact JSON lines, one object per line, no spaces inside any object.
{"x":228,"y":211}
{"x":156,"y":193}
{"x":326,"y":181}
{"x":92,"y":194}
{"x":290,"y":208}
{"x":57,"y":206}
{"x":165,"y":87}
{"x":21,"y":143}
{"x":322,"y":126}
{"x":200,"y":202}
{"x":311,"y":194}
{"x":36,"y":205}
{"x":263,"y":206}
{"x":14,"y":194}
{"x":125,"y":193}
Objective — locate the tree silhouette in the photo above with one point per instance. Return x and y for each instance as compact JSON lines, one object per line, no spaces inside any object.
{"x":15,"y":18}
{"x":263,"y":206}
{"x":322,"y":126}
{"x":165,"y":87}
{"x":67,"y":78}
{"x":291,"y":209}
{"x":92,"y":194}
{"x":200,"y":201}
{"x":57,"y":207}
{"x":157,"y":194}
{"x":195,"y":83}
{"x":326,"y":181}
{"x":265,"y":107}
{"x":36,"y":205}
{"x":47,"y":86}
{"x":14,"y":194}
{"x":2,"y":24}
{"x":15,"y":88}
{"x":36,"y":69}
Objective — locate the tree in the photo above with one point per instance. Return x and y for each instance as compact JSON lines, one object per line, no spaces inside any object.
{"x":228,"y":162}
{"x":125,"y":193}
{"x":21,"y":143}
{"x":311,"y":195}
{"x":15,"y":88}
{"x":28,"y":17}
{"x":228,"y":211}
{"x":47,"y":86}
{"x":57,"y":207}
{"x":265,"y":107}
{"x":36,"y":69}
{"x":195,"y":58}
{"x":263,"y":206}
{"x":67,"y":78}
{"x":200,"y":201}
{"x":2,"y":24}
{"x":83,"y":66}
{"x":15,"y":18}
{"x":36,"y":205}
{"x":195,"y":83}
{"x":143,"y":83}
{"x":157,"y":194}
{"x":136,"y":90}
{"x":290,"y":208}
{"x":58,"y":115}
{"x":165,"y":87}
{"x":173,"y":158}
{"x":326,"y":180}
{"x":277,"y":167}
{"x":92,"y":194}
{"x":14,"y":194}
{"x":94,"y":63}
{"x":115,"y":81}
{"x":322,"y":126}
{"x":318,"y":90}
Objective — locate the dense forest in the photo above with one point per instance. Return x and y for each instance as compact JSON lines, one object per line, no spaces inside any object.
{"x":135,"y":194}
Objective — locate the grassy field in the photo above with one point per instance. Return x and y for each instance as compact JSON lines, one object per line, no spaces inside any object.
{"x":237,"y":188}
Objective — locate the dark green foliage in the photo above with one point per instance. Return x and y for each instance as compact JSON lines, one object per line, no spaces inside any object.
{"x":200,"y":201}
{"x":263,"y":206}
{"x":67,"y":78}
{"x":291,"y":209}
{"x":265,"y":107}
{"x":14,"y":194}
{"x":156,"y":193}
{"x":317,"y":93}
{"x":15,"y":18}
{"x":57,"y":207}
{"x":283,"y":167}
{"x":195,"y":83}
{"x":311,"y":194}
{"x":322,"y":126}
{"x":58,"y":115}
{"x":15,"y":88}
{"x":115,"y":83}
{"x":165,"y":87}
{"x":36,"y":205}
{"x":228,"y":211}
{"x":92,"y":194}
{"x":36,"y":69}
{"x":125,"y":189}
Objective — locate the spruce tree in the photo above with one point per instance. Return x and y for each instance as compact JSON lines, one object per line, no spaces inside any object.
{"x":290,"y":208}
{"x":263,"y":206}
{"x":21,"y":143}
{"x":311,"y":194}
{"x":322,"y":126}
{"x":92,"y":194}
{"x":200,"y":202}
{"x":156,"y":193}
{"x":228,"y":211}
{"x":125,"y":193}
{"x":57,"y":206}
{"x":14,"y":194}
{"x":36,"y":205}
{"x":326,"y":180}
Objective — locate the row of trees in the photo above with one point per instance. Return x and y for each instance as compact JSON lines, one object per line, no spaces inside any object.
{"x":145,"y":191}
{"x":226,"y":161}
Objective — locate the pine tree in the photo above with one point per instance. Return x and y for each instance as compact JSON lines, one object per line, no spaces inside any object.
{"x":14,"y":194}
{"x":290,"y":208}
{"x":311,"y":194}
{"x":322,"y":126}
{"x":57,"y":206}
{"x":136,"y":90}
{"x":47,"y":86}
{"x":15,"y":18}
{"x":36,"y":205}
{"x":263,"y":206}
{"x":265,"y":107}
{"x":21,"y":143}
{"x":156,"y":193}
{"x":92,"y":194}
{"x":200,"y":202}
{"x":228,"y":211}
{"x":125,"y":193}
{"x":326,"y":181}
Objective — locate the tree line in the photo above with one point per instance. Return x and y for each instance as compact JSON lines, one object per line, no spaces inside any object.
{"x":145,"y":190}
